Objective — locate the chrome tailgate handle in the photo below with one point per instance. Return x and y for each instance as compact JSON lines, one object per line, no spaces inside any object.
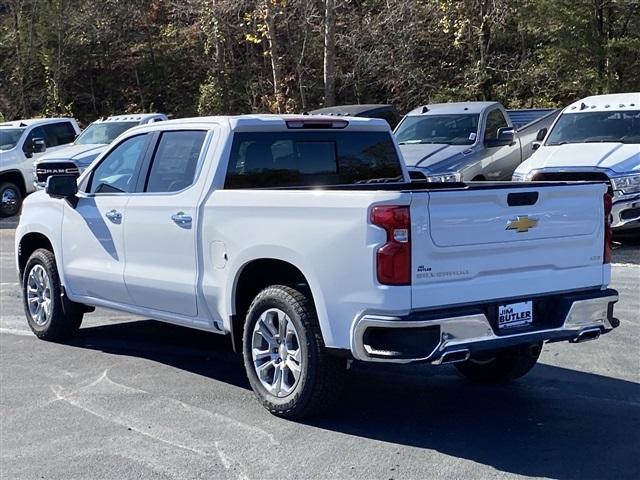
{"x":182,"y":219}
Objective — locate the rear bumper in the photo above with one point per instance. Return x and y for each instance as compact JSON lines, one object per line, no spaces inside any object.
{"x":440,"y":336}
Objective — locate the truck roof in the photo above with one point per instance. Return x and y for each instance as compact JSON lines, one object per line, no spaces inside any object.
{"x":452,"y":107}
{"x":602,"y":103}
{"x":133,"y":117}
{"x":270,"y":122}
{"x":34,"y":121}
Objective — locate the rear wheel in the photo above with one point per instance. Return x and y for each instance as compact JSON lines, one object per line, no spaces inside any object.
{"x":501,"y":366}
{"x":49,"y":316}
{"x":284,"y":355}
{"x":10,"y":199}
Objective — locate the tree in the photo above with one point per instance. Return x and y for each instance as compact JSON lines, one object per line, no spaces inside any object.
{"x":329,"y":53}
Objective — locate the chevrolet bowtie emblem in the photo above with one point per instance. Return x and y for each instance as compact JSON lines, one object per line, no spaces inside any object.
{"x":522,"y":224}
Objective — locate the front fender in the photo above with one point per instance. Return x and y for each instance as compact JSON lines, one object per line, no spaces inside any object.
{"x":43,"y":215}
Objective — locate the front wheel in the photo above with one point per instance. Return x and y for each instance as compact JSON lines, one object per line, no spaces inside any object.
{"x":501,"y":366}
{"x":43,"y":302}
{"x":10,"y":199}
{"x":284,"y":355}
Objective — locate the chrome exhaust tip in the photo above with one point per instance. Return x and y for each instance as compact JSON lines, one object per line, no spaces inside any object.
{"x":453,"y":356}
{"x":587,"y":334}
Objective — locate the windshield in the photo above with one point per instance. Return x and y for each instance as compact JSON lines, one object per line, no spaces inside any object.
{"x":9,"y":137}
{"x":596,"y":127}
{"x":445,"y":129}
{"x":103,"y":133}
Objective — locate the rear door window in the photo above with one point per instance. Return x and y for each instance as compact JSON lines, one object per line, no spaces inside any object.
{"x":175,"y":161}
{"x":289,"y":159}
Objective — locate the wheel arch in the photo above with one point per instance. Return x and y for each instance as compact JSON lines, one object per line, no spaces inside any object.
{"x":254,"y":276}
{"x":15,"y":177}
{"x":29,"y":243}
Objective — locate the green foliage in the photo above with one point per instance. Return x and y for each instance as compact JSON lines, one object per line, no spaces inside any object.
{"x":188,"y":57}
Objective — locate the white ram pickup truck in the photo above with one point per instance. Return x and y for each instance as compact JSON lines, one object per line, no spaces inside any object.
{"x":302,"y":239}
{"x":596,"y":138}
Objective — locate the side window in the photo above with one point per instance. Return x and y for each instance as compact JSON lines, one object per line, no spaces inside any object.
{"x":116,"y":172}
{"x":60,"y":133}
{"x":495,"y":120}
{"x":37,"y":132}
{"x":174,"y":163}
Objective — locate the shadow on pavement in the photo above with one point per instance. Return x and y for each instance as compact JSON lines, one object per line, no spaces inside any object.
{"x":555,"y":423}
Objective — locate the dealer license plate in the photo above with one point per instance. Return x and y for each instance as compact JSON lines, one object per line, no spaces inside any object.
{"x":515,"y":315}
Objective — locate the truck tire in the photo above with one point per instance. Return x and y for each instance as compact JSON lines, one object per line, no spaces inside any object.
{"x":284,"y":355}
{"x":502,"y":366}
{"x":49,"y":315}
{"x":10,"y":199}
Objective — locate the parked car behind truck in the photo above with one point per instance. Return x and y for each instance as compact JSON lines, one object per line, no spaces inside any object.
{"x":22,"y":143}
{"x":302,"y":239}
{"x":92,"y":142}
{"x":450,"y":142}
{"x":596,"y":138}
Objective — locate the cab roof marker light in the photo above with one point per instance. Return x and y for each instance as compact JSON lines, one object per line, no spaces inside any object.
{"x":583,"y":106}
{"x":297,"y":124}
{"x":425,"y":109}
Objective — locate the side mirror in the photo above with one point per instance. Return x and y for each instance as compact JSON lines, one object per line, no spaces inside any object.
{"x":505,"y":136}
{"x":62,"y":186}
{"x":541,"y":134}
{"x":38,"y":145}
{"x":535,"y":146}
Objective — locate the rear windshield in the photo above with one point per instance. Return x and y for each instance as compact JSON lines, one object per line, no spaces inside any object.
{"x":596,"y":127}
{"x":292,"y":159}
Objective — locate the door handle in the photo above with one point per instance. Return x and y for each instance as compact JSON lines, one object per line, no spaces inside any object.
{"x":182,"y":219}
{"x":114,"y":216}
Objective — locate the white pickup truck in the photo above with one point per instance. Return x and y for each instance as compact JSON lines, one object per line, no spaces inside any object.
{"x":596,"y":138}
{"x":302,"y":239}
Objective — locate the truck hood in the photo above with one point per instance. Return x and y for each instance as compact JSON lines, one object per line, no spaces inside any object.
{"x":81,"y":155}
{"x":619,"y":157}
{"x":436,"y":157}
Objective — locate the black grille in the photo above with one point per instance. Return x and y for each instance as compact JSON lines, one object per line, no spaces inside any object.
{"x":46,"y":169}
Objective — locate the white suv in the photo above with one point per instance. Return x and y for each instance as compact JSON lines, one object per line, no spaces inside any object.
{"x":21,"y":143}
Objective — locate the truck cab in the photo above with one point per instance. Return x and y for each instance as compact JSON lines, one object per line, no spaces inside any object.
{"x":21,"y":144}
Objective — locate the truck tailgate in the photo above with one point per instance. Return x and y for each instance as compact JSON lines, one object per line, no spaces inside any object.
{"x":499,"y":242}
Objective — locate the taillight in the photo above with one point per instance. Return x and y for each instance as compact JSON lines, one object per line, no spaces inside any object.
{"x":608,"y":232}
{"x":393,"y":259}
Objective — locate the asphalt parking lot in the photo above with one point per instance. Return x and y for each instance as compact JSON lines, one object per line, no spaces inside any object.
{"x":133,"y":398}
